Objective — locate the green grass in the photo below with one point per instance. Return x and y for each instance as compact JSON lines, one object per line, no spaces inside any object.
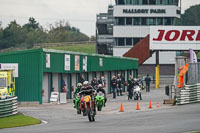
{"x":17,"y":121}
{"x":85,"y":48}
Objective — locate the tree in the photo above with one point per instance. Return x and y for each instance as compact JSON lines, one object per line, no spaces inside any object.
{"x":32,"y":24}
{"x":12,"y":35}
{"x":191,"y":16}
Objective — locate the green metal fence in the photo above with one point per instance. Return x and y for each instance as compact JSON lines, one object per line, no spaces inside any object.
{"x":8,"y":107}
{"x":190,"y":94}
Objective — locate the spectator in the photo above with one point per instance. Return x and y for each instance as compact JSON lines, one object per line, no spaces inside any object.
{"x":114,"y":86}
{"x":147,"y":80}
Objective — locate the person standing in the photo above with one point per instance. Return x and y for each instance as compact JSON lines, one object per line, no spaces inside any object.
{"x":130,"y":86}
{"x":147,"y":80}
{"x":119,"y":85}
{"x":114,"y":86}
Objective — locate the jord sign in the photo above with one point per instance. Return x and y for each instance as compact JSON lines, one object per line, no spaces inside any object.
{"x":175,"y":37}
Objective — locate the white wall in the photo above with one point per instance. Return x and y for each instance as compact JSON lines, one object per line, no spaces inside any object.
{"x":90,"y":77}
{"x":165,"y":57}
{"x":74,"y":80}
{"x":170,"y":11}
{"x":131,"y":31}
{"x":55,"y":81}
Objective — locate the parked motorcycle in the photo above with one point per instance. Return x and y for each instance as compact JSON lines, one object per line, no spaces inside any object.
{"x":88,"y":107}
{"x":100,"y":100}
{"x":136,"y":92}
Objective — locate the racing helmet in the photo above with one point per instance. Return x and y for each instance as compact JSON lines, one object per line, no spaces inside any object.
{"x":79,"y":85}
{"x":135,"y":79}
{"x":100,"y":86}
{"x":85,"y":83}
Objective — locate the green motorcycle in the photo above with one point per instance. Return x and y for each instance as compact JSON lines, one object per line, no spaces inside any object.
{"x":77,"y":103}
{"x":100,"y":100}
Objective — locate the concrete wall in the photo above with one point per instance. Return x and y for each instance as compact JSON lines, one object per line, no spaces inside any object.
{"x":55,"y":82}
{"x":45,"y":87}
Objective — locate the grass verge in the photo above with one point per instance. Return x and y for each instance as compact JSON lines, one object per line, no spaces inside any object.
{"x":85,"y":48}
{"x":18,"y":120}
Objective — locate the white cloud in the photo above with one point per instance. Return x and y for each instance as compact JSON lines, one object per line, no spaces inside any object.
{"x":80,"y":13}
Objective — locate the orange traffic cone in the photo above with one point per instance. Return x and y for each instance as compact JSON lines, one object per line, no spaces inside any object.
{"x":157,"y":105}
{"x":150,"y":105}
{"x":137,"y":107}
{"x":121,"y":108}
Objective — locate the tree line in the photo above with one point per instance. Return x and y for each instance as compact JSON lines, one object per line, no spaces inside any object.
{"x":15,"y":35}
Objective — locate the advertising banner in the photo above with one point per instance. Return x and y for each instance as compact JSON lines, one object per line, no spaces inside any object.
{"x":10,"y":66}
{"x":47,"y":60}
{"x":175,"y":38}
{"x":100,"y":62}
{"x":67,"y":62}
{"x":77,"y":63}
{"x":84,"y":63}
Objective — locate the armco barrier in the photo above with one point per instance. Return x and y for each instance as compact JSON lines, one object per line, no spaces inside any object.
{"x":8,"y":107}
{"x":190,"y":94}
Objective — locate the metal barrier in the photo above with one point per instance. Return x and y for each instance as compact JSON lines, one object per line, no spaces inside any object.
{"x":8,"y":107}
{"x":190,"y":94}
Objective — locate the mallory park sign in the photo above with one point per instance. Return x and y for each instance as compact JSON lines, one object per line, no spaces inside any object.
{"x":174,"y":38}
{"x":144,"y":11}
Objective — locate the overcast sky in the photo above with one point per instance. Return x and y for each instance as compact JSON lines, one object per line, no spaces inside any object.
{"x":79,"y":13}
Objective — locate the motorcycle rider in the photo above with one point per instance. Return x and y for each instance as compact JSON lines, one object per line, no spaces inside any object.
{"x":102,"y":81}
{"x":119,"y":85}
{"x":100,"y":88}
{"x":76,"y":91}
{"x":88,"y":90}
{"x":135,"y":83}
{"x":94,"y":83}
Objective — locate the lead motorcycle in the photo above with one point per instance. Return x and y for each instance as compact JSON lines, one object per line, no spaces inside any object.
{"x":88,"y":107}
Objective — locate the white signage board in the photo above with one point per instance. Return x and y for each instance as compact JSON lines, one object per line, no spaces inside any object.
{"x":47,"y":60}
{"x":84,"y":63}
{"x":67,"y":62}
{"x":10,"y":66}
{"x":77,"y":63}
{"x":63,"y":98}
{"x":100,"y":62}
{"x":174,"y":38}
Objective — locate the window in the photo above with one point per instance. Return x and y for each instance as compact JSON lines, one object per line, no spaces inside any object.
{"x":128,"y":2}
{"x":129,"y":21}
{"x":176,"y":2}
{"x":145,"y":2}
{"x":121,"y":21}
{"x":144,"y":21}
{"x":152,"y":21}
{"x":136,"y":21}
{"x":129,"y":41}
{"x":135,"y":2}
{"x":121,"y":2}
{"x":171,"y":2}
{"x":159,"y":21}
{"x":165,"y":2}
{"x":121,"y":41}
{"x":135,"y":40}
{"x":167,"y":21}
{"x":152,"y":2}
{"x":3,"y":82}
{"x":158,"y":2}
